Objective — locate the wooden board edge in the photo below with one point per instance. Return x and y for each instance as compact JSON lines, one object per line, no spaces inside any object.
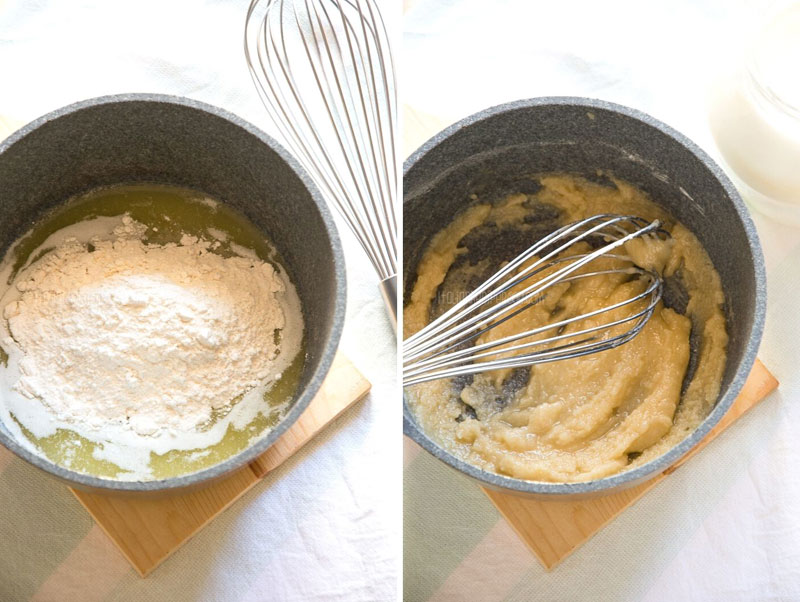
{"x":261,"y":474}
{"x":760,"y":383}
{"x":145,"y":570}
{"x":498,"y":500}
{"x":362,"y":388}
{"x":108,"y":534}
{"x":515,"y":527}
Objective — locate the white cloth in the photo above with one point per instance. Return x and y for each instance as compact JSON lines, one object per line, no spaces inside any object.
{"x":726,"y":527}
{"x":325,"y":526}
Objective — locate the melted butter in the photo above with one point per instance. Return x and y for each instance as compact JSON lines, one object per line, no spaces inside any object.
{"x":169,"y":212}
{"x":276,"y":398}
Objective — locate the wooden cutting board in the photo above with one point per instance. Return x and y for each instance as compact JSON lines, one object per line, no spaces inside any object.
{"x":553,"y":529}
{"x":148,"y":530}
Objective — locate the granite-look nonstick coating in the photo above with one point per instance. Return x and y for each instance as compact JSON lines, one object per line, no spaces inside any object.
{"x":171,"y":140}
{"x":491,"y":150}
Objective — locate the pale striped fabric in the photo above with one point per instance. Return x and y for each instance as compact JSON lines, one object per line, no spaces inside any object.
{"x":325,"y":525}
{"x":726,"y":526}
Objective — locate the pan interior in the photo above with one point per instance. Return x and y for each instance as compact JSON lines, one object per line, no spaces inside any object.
{"x":168,"y":213}
{"x":493,"y":150}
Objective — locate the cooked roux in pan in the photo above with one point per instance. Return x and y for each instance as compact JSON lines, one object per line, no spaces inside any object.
{"x":589,"y":417}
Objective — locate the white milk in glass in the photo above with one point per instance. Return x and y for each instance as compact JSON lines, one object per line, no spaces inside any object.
{"x":755,"y":116}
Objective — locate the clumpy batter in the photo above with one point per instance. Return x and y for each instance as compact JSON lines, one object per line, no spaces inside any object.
{"x":589,"y":417}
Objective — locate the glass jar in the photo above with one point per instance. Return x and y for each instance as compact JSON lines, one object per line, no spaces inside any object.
{"x":755,"y":116}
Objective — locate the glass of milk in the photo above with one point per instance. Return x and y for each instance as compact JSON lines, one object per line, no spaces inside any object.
{"x":755,"y":116}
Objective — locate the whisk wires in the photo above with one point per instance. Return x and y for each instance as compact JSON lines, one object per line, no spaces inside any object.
{"x":445,"y":347}
{"x":324,"y":72}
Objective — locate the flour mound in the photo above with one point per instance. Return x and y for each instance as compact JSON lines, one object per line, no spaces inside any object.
{"x":151,"y":338}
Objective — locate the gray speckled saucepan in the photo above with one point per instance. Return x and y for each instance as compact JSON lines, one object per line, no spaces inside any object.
{"x":171,"y":140}
{"x":493,"y":149}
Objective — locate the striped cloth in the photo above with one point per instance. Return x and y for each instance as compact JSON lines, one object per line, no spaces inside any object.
{"x":325,"y":526}
{"x":725,"y":527}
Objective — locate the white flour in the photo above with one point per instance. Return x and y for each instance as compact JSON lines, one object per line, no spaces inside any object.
{"x":134,"y":346}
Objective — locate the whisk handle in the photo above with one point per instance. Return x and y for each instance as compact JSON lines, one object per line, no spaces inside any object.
{"x":389,"y":293}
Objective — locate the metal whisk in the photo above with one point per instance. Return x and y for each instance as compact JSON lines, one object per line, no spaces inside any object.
{"x":324,"y":71}
{"x":443,"y":348}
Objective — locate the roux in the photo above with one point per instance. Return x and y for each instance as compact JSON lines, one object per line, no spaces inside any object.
{"x":588,"y":417}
